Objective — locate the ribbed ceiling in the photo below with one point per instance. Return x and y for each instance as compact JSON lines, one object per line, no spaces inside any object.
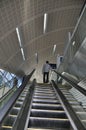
{"x":28,"y":16}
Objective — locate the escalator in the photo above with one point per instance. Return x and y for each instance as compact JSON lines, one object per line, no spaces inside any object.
{"x":10,"y":119}
{"x":47,"y":111}
{"x":40,"y":108}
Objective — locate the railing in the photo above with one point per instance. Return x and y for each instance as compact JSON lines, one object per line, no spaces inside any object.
{"x":23,"y":118}
{"x":4,"y":110}
{"x":82,"y":90}
{"x":74,"y":120}
{"x":6,"y":96}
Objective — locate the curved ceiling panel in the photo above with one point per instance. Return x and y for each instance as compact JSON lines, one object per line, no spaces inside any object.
{"x":28,"y":17}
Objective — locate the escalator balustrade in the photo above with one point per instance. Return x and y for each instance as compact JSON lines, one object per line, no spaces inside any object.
{"x":46,"y":110}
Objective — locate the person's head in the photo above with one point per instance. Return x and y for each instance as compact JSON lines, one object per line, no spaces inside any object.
{"x":47,"y":62}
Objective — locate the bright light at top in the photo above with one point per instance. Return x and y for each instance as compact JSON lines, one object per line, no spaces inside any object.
{"x":45,"y":22}
{"x":73,"y":43}
{"x":18,"y":35}
{"x":22,"y":51}
{"x":54,"y":48}
{"x":20,"y":44}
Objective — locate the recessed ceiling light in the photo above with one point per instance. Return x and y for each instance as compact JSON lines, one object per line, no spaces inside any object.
{"x":54,"y":48}
{"x":22,"y":52}
{"x":20,"y":44}
{"x":45,"y":22}
{"x":73,"y":43}
{"x":18,"y":35}
{"x":36,"y":55}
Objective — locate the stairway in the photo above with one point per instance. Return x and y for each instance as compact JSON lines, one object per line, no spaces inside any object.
{"x":47,"y":111}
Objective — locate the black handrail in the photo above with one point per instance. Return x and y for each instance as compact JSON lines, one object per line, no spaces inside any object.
{"x":74,"y":120}
{"x":82,"y":90}
{"x":23,"y":116}
{"x":5,"y":109}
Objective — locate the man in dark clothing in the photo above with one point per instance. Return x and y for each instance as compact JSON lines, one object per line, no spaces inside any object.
{"x":45,"y":70}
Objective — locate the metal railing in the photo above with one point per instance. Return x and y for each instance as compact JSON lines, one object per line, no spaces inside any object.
{"x":82,"y":90}
{"x":74,"y":120}
{"x":23,"y":115}
{"x":5,"y":109}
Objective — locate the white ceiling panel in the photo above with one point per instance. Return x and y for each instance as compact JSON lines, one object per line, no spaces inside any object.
{"x":28,"y":16}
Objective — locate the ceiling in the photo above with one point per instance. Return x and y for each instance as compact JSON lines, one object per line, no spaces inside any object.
{"x":28,"y":17}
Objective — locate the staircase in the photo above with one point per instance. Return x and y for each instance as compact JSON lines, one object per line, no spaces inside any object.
{"x":45,"y":112}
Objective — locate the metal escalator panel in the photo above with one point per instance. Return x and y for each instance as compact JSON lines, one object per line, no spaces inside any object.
{"x":10,"y":119}
{"x":46,"y":111}
{"x":41,"y":110}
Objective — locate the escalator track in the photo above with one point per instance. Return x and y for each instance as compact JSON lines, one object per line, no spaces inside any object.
{"x":39,"y":108}
{"x":47,"y":111}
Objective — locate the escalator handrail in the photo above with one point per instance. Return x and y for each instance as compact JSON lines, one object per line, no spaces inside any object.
{"x":74,"y":120}
{"x":80,"y":89}
{"x":5,"y":109}
{"x":6,"y":94}
{"x":23,"y":117}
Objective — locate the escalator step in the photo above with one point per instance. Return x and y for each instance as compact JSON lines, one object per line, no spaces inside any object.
{"x":47,"y":106}
{"x":48,"y":113}
{"x":45,"y":101}
{"x":38,"y":122}
{"x":47,"y":129}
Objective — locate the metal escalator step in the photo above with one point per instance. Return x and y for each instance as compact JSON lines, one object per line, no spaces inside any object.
{"x":44,"y":89}
{"x":73,"y":102}
{"x":12,"y":115}
{"x":18,"y":105}
{"x":9,"y":121}
{"x":20,"y":102}
{"x":14,"y":111}
{"x":6,"y":128}
{"x":43,"y":94}
{"x":39,"y":122}
{"x":77,"y":108}
{"x":45,"y":101}
{"x":48,"y":129}
{"x":46,"y":106}
{"x":44,"y":97}
{"x":82,"y":115}
{"x":48,"y":113}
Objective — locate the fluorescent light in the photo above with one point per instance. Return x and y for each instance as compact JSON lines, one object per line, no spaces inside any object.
{"x":54,"y":48}
{"x":22,"y":51}
{"x":73,"y":43}
{"x":18,"y":35}
{"x":20,"y":44}
{"x":45,"y":22}
{"x":36,"y":55}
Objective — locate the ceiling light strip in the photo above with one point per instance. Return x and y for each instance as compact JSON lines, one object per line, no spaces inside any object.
{"x":22,"y":52}
{"x":20,"y":44}
{"x":45,"y":22}
{"x":36,"y":55}
{"x":18,"y":35}
{"x":54,"y":48}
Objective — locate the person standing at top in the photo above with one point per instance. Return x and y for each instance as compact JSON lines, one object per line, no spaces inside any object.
{"x":45,"y":70}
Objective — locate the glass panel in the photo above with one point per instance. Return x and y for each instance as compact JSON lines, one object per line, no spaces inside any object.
{"x":8,"y":76}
